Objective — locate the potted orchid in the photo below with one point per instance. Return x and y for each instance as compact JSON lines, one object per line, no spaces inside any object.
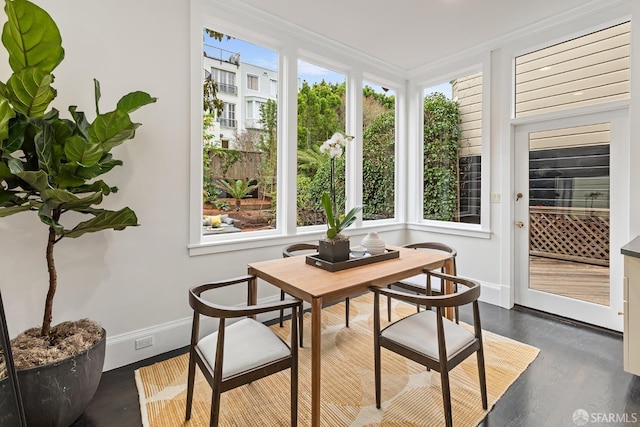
{"x":335,"y":247}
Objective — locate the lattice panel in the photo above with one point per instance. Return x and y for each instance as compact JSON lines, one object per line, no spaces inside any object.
{"x":570,"y":234}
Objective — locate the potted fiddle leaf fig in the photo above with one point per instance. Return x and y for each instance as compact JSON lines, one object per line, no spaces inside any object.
{"x":52,"y":166}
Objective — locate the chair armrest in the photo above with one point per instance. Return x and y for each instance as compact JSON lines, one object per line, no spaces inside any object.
{"x":210,"y":309}
{"x":457,"y":299}
{"x":213,"y":310}
{"x":455,"y":279}
{"x":199,"y":289}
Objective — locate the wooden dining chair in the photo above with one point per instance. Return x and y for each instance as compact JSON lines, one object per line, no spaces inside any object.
{"x":301,"y":249}
{"x":418,"y":283}
{"x":241,"y":352}
{"x":428,"y":338}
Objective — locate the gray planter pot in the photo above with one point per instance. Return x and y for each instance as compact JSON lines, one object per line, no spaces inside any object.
{"x":333,"y":251}
{"x":55,"y":395}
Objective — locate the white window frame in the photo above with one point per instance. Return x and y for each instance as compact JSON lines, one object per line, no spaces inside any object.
{"x":398,"y":210}
{"x":251,"y":78}
{"x":416,"y":219}
{"x":250,"y":25}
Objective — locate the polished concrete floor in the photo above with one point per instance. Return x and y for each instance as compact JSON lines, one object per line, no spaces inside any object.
{"x":578,"y":368}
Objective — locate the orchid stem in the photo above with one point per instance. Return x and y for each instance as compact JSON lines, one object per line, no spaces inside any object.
{"x":333,"y":190}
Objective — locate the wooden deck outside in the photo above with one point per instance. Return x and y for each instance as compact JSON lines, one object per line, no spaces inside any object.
{"x":571,"y":279}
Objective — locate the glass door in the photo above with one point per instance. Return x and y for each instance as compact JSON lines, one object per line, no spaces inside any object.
{"x":565,"y":228}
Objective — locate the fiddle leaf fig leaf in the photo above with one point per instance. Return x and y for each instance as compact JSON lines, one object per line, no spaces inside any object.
{"x":30,"y":91}
{"x":5,"y":173}
{"x":37,"y":180}
{"x":83,"y":202}
{"x":117,"y":220}
{"x":10,"y":210}
{"x":94,"y":187}
{"x":17,"y":130}
{"x":6,"y":114}
{"x":134,"y":100}
{"x":85,"y":153}
{"x":97,"y":95}
{"x":46,"y":216}
{"x":82,"y":124}
{"x":69,"y":201}
{"x":112,"y":129}
{"x":44,"y":146}
{"x":31,"y":37}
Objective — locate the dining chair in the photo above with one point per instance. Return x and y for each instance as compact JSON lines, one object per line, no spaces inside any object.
{"x":418,"y":283}
{"x":241,"y":352}
{"x":428,"y":338}
{"x":300,"y":249}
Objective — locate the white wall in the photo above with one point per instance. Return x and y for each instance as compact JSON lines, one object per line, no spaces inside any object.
{"x":135,"y":282}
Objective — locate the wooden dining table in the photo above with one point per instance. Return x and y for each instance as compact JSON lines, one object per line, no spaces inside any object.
{"x":319,"y":286}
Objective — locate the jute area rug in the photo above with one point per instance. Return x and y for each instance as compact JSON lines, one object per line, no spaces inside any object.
{"x":411,"y":395}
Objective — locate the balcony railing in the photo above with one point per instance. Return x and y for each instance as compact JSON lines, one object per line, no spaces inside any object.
{"x":226,"y":88}
{"x":228,"y":123}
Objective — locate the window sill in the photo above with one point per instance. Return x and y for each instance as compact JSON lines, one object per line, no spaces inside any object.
{"x":262,"y":239}
{"x":456,"y":229}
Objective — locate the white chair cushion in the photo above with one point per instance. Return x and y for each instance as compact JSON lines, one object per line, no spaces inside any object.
{"x":248,"y":344}
{"x":419,"y":332}
{"x":420,"y":281}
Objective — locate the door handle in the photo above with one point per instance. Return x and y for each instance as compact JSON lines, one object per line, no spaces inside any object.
{"x":519,"y":224}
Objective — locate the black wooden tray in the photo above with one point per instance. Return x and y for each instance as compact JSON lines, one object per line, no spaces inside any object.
{"x":353,"y":262}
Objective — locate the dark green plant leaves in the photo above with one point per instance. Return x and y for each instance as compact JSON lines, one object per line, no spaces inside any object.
{"x":44,"y":146}
{"x":112,"y":129}
{"x":82,"y":152}
{"x":328,"y":210}
{"x":6,"y":114}
{"x":31,"y":37}
{"x":46,"y":216}
{"x":97,"y":95}
{"x":30,"y":91}
{"x":38,"y":180}
{"x":117,"y":220}
{"x":134,"y":100}
{"x":69,"y":201}
{"x":13,"y":210}
{"x":82,"y":125}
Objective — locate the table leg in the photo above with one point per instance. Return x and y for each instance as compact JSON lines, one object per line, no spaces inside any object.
{"x":448,"y":285}
{"x":252,"y":294}
{"x":316,"y":330}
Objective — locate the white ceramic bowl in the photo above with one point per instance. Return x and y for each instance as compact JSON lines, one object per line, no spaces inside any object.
{"x":358,"y":251}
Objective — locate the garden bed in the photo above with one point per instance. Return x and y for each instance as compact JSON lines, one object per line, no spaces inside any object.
{"x":254,"y":214}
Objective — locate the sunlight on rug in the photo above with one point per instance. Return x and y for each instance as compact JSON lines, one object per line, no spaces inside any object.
{"x":411,"y":395}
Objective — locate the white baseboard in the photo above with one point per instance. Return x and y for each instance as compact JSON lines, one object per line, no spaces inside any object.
{"x":121,"y":349}
{"x":492,"y":294}
{"x":169,"y":336}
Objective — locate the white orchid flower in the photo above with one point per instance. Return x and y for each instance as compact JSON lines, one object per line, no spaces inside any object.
{"x":335,"y":151}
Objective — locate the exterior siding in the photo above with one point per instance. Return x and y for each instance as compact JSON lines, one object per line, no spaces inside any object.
{"x":583,"y":71}
{"x":468,"y":91}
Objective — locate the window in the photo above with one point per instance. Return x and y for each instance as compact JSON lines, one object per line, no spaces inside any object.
{"x":273,"y":87}
{"x":321,"y":113}
{"x":584,"y":71}
{"x":250,"y":110}
{"x":226,"y":80}
{"x":378,"y":152}
{"x":228,"y":116}
{"x":452,"y":150}
{"x":239,"y":161}
{"x":252,"y":82}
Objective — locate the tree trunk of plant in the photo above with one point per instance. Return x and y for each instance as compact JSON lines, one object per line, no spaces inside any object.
{"x":238,"y":203}
{"x":53,"y":279}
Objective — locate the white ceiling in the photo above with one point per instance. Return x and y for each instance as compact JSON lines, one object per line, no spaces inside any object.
{"x":412,"y":33}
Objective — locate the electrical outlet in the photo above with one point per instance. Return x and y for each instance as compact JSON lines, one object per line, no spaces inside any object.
{"x":144,"y":342}
{"x":495,"y":198}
